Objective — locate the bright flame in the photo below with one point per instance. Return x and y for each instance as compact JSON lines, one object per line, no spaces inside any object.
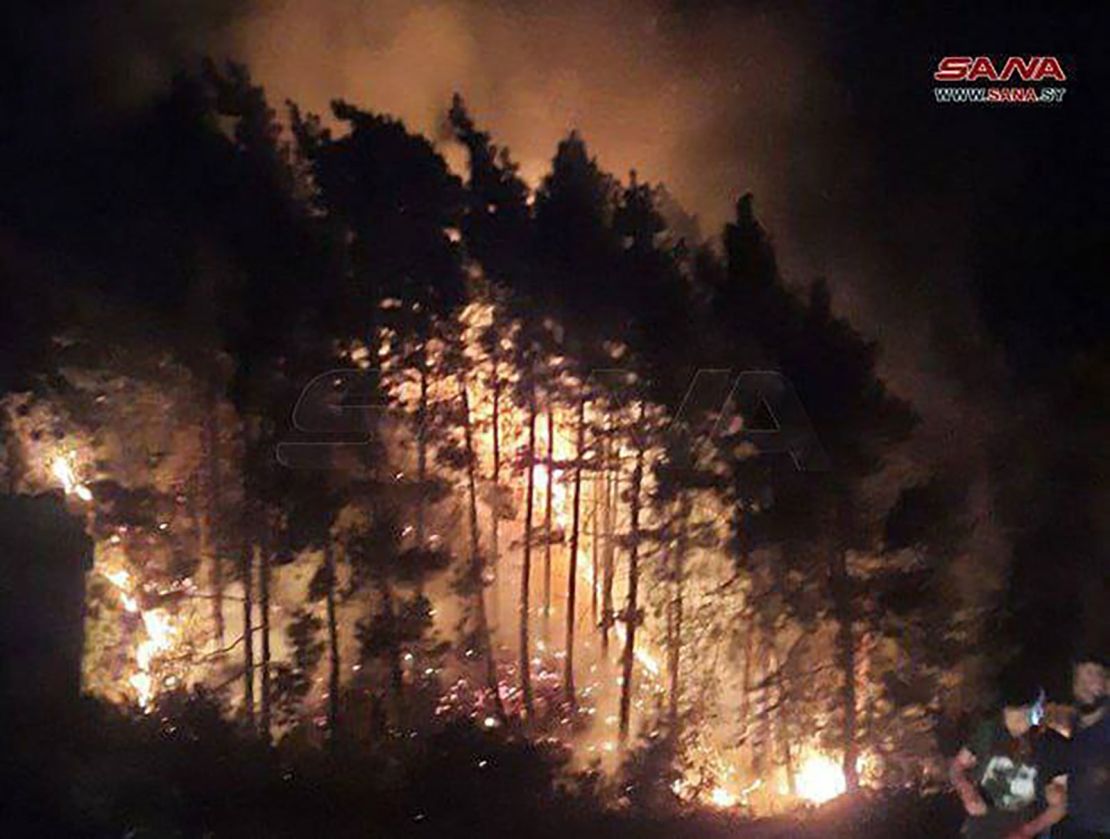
{"x":820,"y":779}
{"x":721,"y":797}
{"x":160,"y":634}
{"x":62,"y":469}
{"x":159,"y":637}
{"x":120,"y":579}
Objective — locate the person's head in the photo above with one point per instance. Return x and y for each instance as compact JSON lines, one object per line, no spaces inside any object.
{"x":1088,"y":682}
{"x":1023,"y":705}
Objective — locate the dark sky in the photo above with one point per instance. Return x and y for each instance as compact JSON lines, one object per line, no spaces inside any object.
{"x":968,"y":240}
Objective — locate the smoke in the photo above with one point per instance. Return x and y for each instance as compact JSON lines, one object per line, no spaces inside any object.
{"x":711,"y":99}
{"x":649,"y":88}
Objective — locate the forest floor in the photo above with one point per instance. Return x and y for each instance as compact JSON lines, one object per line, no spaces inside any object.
{"x":187,"y":771}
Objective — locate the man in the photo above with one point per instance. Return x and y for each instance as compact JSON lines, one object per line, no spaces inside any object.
{"x":1088,"y":760}
{"x":1004,"y":775}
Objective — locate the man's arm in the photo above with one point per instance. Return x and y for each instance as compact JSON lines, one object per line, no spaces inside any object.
{"x":958,"y":771}
{"x":1056,"y":794}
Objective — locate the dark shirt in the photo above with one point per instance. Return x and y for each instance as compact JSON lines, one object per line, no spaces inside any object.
{"x":1011,"y":774}
{"x":1089,"y":776}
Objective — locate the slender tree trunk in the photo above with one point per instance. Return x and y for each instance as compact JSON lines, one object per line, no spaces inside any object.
{"x":572,"y":563}
{"x":526,"y":570}
{"x":396,"y":672}
{"x":840,"y":587}
{"x":595,"y":547}
{"x":791,"y":767}
{"x":746,"y":695}
{"x":422,"y":463}
{"x":249,"y":548}
{"x":495,"y":507}
{"x":264,"y":617}
{"x":247,"y":572}
{"x":669,"y":636}
{"x":632,"y":608}
{"x":778,"y":736}
{"x":550,"y":465}
{"x":608,"y":565}
{"x":781,"y":715}
{"x":678,"y":582}
{"x":333,"y":642}
{"x":211,"y":532}
{"x":476,"y":565}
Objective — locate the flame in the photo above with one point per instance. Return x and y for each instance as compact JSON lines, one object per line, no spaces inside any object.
{"x":119,"y":578}
{"x":820,"y":779}
{"x":721,"y":797}
{"x":61,"y":467}
{"x":160,"y":635}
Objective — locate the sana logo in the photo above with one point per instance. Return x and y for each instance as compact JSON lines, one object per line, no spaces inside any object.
{"x":966,"y":68}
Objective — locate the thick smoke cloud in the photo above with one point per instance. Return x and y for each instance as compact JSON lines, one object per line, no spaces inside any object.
{"x":650,"y":89}
{"x":713,"y":101}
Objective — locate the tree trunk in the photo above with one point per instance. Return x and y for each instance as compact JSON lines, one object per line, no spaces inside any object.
{"x":422,"y":463}
{"x":746,"y":693}
{"x":246,"y":572}
{"x":595,"y":547}
{"x":211,"y":531}
{"x":840,"y":587}
{"x":396,"y":672}
{"x":632,"y":607}
{"x":779,"y":732}
{"x":550,"y":465}
{"x":526,"y":570}
{"x":264,"y":617}
{"x":572,"y":563}
{"x":678,"y":582}
{"x":612,"y":476}
{"x":476,"y":566}
{"x":791,"y":768}
{"x":333,"y":642}
{"x":495,"y":507}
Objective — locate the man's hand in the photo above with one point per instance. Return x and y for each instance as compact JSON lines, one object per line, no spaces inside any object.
{"x":1056,"y":793}
{"x":975,"y":806}
{"x":961,"y":764}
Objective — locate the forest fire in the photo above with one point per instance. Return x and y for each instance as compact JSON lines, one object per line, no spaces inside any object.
{"x":381,"y":487}
{"x":588,"y":465}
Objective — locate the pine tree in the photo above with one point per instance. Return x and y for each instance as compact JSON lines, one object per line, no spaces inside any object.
{"x":632,"y":613}
{"x":572,"y":564}
{"x":524,"y":603}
